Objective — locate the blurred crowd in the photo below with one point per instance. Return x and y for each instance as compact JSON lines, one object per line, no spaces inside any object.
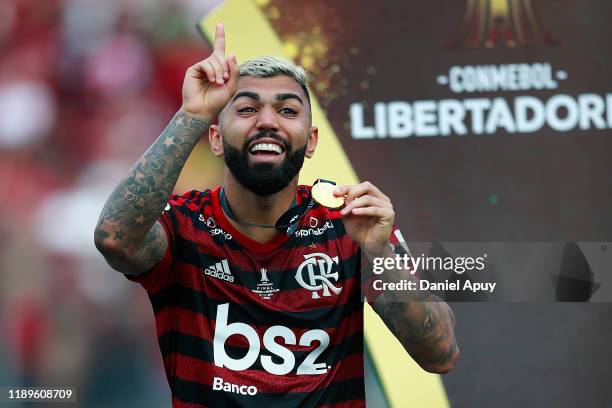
{"x":85,"y":87}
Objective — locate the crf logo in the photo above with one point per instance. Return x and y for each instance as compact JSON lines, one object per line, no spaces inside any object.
{"x":317,"y":269}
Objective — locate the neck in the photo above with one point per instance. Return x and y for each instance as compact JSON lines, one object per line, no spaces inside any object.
{"x":251,"y":208}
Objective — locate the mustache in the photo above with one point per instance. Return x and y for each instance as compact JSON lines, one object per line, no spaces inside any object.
{"x":268,"y":134}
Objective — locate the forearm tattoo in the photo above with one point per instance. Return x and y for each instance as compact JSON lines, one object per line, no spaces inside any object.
{"x":137,"y":201}
{"x":421,"y":321}
{"x":424,"y":328}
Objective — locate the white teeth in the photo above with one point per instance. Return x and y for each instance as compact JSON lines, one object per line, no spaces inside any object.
{"x":267,"y":147}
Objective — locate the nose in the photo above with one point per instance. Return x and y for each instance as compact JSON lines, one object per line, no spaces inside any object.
{"x":267,"y":119}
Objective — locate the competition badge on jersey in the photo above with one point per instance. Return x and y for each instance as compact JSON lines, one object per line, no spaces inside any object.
{"x":265,"y":288}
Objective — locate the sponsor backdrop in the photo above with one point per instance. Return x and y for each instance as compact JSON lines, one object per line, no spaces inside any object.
{"x":484,"y":121}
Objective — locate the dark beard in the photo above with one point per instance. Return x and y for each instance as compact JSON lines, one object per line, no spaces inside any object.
{"x":263,"y":179}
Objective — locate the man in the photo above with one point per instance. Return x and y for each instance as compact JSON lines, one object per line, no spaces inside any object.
{"x":255,"y":287}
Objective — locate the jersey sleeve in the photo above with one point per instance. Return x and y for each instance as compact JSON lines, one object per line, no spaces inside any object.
{"x":399,"y":247}
{"x":160,"y":275}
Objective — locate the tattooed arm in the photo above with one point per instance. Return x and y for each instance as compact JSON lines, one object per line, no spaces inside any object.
{"x":127,"y":233}
{"x":422,"y":322}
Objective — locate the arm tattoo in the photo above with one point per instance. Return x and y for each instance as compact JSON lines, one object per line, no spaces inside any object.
{"x":424,"y":328}
{"x":422,"y":322}
{"x":137,"y":202}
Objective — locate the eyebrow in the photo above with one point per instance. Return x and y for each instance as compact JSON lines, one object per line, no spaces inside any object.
{"x":285,"y":96}
{"x":256,"y":97}
{"x":246,"y":94}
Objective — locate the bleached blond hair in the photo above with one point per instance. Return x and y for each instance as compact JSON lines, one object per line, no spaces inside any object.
{"x":268,"y":66}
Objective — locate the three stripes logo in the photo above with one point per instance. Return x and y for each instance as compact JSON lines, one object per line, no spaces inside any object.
{"x":220,"y":270}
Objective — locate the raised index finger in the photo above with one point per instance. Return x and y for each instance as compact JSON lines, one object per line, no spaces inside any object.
{"x":219,"y":38}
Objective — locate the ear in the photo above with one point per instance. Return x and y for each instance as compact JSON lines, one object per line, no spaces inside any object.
{"x":313,"y":139}
{"x":215,"y":139}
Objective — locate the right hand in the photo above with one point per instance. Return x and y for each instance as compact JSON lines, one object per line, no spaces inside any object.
{"x":209,"y":84}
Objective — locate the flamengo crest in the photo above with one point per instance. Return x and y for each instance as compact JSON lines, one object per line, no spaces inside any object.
{"x":315,"y":273}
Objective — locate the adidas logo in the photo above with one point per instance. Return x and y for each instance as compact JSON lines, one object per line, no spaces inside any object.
{"x":220,"y":270}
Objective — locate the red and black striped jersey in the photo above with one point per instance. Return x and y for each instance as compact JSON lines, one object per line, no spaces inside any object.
{"x":241,"y":323}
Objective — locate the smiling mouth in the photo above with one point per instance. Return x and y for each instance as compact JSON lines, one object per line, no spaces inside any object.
{"x":266,"y":149}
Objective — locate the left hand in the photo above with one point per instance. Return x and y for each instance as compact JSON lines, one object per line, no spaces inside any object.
{"x":368,"y":216}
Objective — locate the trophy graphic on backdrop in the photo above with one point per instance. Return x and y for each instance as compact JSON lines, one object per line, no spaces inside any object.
{"x":493,"y":23}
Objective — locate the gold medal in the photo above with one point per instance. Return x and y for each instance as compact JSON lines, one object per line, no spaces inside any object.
{"x":323,"y":193}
